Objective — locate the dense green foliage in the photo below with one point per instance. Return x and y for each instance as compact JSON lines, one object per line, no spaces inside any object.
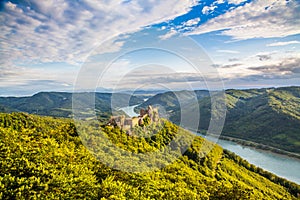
{"x":270,"y":117}
{"x":43,"y":157}
{"x":267,"y":116}
{"x":59,"y":104}
{"x":171,"y":100}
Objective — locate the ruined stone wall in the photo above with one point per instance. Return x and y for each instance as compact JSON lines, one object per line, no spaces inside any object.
{"x":128,"y":123}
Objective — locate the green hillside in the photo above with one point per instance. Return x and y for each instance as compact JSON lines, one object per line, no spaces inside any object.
{"x":171,"y":100}
{"x":43,"y":158}
{"x":267,"y":116}
{"x":271,"y":117}
{"x":59,"y":104}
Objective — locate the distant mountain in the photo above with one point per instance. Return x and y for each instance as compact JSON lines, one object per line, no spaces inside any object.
{"x":171,"y":101}
{"x":138,"y":92}
{"x":268,"y":116}
{"x":143,"y":92}
{"x":59,"y":104}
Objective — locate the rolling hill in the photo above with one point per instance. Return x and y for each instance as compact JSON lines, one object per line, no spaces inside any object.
{"x":43,"y":158}
{"x":268,"y":116}
{"x":59,"y":104}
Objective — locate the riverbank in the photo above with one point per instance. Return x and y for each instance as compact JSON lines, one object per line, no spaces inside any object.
{"x":270,"y":159}
{"x":260,"y":146}
{"x":265,"y":159}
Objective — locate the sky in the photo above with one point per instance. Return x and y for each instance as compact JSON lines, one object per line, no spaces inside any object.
{"x":79,"y":45}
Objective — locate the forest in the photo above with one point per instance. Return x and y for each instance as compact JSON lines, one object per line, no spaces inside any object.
{"x":44,"y":158}
{"x":268,"y":116}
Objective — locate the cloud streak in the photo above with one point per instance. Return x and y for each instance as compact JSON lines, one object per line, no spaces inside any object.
{"x":256,"y":20}
{"x":267,"y":67}
{"x":227,"y":51}
{"x":287,"y":67}
{"x":276,"y":44}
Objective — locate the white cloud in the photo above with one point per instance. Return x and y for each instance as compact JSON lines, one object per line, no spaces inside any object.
{"x":18,"y":76}
{"x":169,"y":34}
{"x":11,"y":6}
{"x":192,"y":22}
{"x":185,"y":26}
{"x":275,"y":44}
{"x":163,"y":28}
{"x":236,"y":2}
{"x":219,"y":2}
{"x":66,"y":31}
{"x":227,"y":51}
{"x":263,"y":65}
{"x":207,"y":9}
{"x":258,"y":19}
{"x":108,"y":47}
{"x":63,"y":31}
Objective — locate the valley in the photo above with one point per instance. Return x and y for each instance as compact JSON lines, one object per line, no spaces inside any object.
{"x":269,"y":116}
{"x":254,"y":117}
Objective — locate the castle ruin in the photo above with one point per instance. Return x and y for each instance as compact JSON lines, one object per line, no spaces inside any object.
{"x":128,"y":123}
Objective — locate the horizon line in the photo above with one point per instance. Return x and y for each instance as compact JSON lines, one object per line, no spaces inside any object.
{"x":154,"y":91}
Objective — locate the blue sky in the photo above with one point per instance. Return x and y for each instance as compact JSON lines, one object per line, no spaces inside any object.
{"x":152,"y":44}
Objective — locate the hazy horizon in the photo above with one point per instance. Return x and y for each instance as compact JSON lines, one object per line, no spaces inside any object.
{"x":152,"y":91}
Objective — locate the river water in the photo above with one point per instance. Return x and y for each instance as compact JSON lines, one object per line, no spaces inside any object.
{"x":129,"y":110}
{"x":281,"y":165}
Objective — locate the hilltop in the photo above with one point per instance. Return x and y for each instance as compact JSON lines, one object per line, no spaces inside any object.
{"x":43,"y":157}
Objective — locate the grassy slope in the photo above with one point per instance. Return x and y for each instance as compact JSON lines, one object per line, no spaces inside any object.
{"x":43,"y":157}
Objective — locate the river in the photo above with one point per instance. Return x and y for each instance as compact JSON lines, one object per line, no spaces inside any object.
{"x":281,"y":165}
